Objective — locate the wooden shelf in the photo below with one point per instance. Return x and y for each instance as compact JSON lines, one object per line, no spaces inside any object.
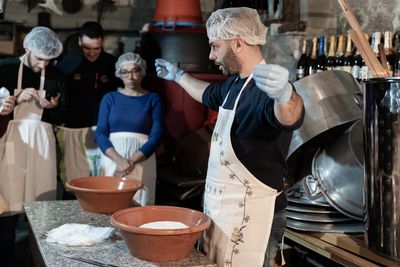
{"x":344,"y":249}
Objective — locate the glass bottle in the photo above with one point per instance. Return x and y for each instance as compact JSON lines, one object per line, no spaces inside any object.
{"x":387,"y":45}
{"x":339,"y":56}
{"x":396,"y":57}
{"x":321,"y":58}
{"x":364,"y":70}
{"x":330,"y":60}
{"x":348,"y":60}
{"x":358,"y":62}
{"x":302,"y":65}
{"x":312,"y":61}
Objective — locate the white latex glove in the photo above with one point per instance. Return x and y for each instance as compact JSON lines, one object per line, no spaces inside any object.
{"x":167,"y":70}
{"x":273,"y":80}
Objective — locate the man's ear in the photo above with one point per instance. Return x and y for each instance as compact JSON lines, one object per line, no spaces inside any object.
{"x":238,"y":44}
{"x":80,"y":41}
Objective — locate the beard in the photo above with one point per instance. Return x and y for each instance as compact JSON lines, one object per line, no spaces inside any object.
{"x":230,"y":63}
{"x":30,"y":64}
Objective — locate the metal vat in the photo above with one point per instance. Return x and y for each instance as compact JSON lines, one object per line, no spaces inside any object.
{"x":382,"y":168}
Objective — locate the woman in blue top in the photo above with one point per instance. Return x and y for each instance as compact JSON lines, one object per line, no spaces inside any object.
{"x":130,"y":128}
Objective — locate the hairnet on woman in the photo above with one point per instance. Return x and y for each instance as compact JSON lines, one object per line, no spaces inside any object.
{"x":131,"y":57}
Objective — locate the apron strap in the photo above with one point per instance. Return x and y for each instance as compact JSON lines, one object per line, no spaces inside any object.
{"x":241,"y":90}
{"x":240,"y":93}
{"x":21,"y":70}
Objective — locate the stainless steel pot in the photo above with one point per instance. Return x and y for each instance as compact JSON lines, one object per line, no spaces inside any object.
{"x":338,"y":170}
{"x":331,"y":98}
{"x":382,"y":165}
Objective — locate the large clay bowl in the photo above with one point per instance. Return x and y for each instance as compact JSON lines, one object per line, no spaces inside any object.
{"x":104,"y":194}
{"x":160,"y":244}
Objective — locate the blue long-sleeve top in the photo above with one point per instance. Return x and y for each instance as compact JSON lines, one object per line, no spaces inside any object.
{"x":138,"y":114}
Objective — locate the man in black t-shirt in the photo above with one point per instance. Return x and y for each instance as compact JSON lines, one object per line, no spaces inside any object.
{"x":258,"y":109}
{"x":90,"y":75}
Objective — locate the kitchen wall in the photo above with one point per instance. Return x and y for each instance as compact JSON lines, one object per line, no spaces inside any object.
{"x":125,"y":18}
{"x":323,"y":17}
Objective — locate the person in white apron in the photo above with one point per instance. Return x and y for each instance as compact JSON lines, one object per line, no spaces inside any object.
{"x":258,"y":110}
{"x":28,"y":168}
{"x":90,"y":74}
{"x":130,"y":128}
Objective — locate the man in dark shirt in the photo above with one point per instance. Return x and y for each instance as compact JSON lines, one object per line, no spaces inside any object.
{"x":90,"y":75}
{"x":28,"y":149}
{"x":258,"y":110}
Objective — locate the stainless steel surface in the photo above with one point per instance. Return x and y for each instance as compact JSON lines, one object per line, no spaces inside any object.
{"x":338,"y":169}
{"x":310,"y":208}
{"x":382,"y":165}
{"x":316,"y":217}
{"x":348,"y":227}
{"x":298,"y":194}
{"x":330,"y":100}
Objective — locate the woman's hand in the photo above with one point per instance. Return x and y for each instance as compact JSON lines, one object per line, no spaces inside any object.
{"x":124,"y":167}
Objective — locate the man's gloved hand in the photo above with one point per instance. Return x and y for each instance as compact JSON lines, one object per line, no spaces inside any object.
{"x":273,"y":80}
{"x":167,"y":70}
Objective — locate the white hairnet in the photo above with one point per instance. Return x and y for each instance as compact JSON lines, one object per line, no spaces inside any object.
{"x":43,"y":42}
{"x":229,"y":23}
{"x":130,"y":57}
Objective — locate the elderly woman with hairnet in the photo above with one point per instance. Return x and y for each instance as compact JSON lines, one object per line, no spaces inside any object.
{"x":130,"y":128}
{"x":28,"y":168}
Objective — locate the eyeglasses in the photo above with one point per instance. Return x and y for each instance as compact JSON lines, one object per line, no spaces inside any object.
{"x":125,"y":73}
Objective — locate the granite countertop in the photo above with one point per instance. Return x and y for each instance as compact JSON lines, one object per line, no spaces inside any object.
{"x":44,"y":216}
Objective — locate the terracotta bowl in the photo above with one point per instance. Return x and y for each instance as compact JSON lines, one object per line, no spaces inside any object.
{"x":104,"y":194}
{"x":160,"y":244}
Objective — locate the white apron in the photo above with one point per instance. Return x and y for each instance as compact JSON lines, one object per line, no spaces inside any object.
{"x":80,"y":155}
{"x":240,"y":206}
{"x":127,"y":144}
{"x":27,"y":154}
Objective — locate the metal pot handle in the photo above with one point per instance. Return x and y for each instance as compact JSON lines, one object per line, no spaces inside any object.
{"x":358,"y":98}
{"x":313,"y":192}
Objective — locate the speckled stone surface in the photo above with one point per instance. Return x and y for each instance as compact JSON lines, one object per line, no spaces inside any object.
{"x":44,"y":216}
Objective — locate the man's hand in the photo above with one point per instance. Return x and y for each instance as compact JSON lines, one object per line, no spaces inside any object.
{"x":26,"y":95}
{"x":8,"y":106}
{"x":273,"y":80}
{"x":49,"y":104}
{"x":167,"y":70}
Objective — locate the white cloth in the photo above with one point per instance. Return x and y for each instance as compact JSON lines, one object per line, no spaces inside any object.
{"x":240,"y":206}
{"x":4,"y":93}
{"x":75,"y":234}
{"x":127,"y":144}
{"x":27,"y":155}
{"x":80,"y":155}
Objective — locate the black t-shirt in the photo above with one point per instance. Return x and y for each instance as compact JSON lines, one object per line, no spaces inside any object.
{"x":54,"y":84}
{"x":260,"y":142}
{"x":87,"y":82}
